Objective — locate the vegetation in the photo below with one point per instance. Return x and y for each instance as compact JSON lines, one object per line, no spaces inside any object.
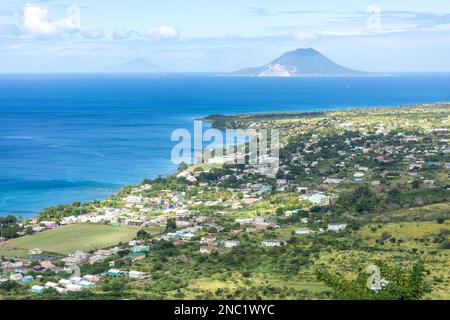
{"x":384,"y":173}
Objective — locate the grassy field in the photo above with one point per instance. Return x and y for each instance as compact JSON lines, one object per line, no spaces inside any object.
{"x":417,"y":243}
{"x":83,"y":237}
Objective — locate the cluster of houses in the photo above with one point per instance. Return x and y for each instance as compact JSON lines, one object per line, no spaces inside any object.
{"x":30,"y":271}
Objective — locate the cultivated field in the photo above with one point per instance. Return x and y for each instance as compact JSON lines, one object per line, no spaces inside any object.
{"x":83,"y":237}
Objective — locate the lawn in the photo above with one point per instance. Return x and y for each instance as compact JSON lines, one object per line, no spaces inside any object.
{"x":83,"y":237}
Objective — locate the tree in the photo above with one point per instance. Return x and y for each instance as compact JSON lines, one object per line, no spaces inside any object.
{"x":440,"y":220}
{"x":171,"y":225}
{"x":142,"y":234}
{"x":9,"y":286}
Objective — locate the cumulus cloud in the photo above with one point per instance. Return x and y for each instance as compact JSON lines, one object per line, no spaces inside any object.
{"x":93,"y":34}
{"x":163,"y":33}
{"x":36,"y":22}
{"x":9,"y":30}
{"x":122,"y":34}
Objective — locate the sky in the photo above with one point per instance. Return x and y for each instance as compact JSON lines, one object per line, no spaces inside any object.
{"x":222,"y":35}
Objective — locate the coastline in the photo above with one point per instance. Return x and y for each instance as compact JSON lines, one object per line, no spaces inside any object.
{"x":204,"y":212}
{"x":214,"y":119}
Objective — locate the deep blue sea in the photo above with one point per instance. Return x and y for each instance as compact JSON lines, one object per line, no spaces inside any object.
{"x":80,"y":137}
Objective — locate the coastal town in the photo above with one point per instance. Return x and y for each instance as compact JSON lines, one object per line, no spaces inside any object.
{"x":347,"y":182}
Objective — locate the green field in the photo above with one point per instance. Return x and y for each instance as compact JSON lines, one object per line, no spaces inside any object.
{"x":83,"y":237}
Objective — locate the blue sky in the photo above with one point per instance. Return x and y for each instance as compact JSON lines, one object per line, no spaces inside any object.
{"x":213,"y":35}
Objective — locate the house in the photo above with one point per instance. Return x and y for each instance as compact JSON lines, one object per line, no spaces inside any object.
{"x":75,"y":280}
{"x":336,"y":227}
{"x":230,"y":243}
{"x":332,"y":181}
{"x":86,"y":284}
{"x":37,"y":289}
{"x":91,"y":278}
{"x":136,"y":274}
{"x":137,"y":256}
{"x":358,"y":174}
{"x":15,"y":276}
{"x":79,"y":256}
{"x":272,"y":243}
{"x":27,"y":279}
{"x":317,"y":199}
{"x":188,"y":236}
{"x":133,"y":243}
{"x":133,"y":199}
{"x":114,"y":273}
{"x":47,"y":264}
{"x":140,"y":249}
{"x":73,"y":287}
{"x":35,"y":251}
{"x":64,"y":282}
{"x":38,"y":229}
{"x":183,"y":223}
{"x":303,"y":231}
{"x":60,"y":290}
{"x":70,"y":261}
{"x":49,"y":224}
{"x":135,"y":223}
{"x":50,"y":284}
{"x":244,"y":221}
{"x":207,"y":239}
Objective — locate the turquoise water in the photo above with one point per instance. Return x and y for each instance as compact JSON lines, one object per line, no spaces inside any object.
{"x":80,"y":137}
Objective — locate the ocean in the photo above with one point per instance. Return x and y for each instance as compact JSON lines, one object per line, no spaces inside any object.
{"x":81,"y":137}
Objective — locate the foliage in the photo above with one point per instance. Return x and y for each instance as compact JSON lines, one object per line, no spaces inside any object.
{"x":402,"y":285}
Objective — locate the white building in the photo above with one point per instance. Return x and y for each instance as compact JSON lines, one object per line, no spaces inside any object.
{"x":317,"y":199}
{"x":337,"y":227}
{"x":136,"y":274}
{"x":303,"y":231}
{"x":230,"y":243}
{"x":133,"y":199}
{"x":272,"y":243}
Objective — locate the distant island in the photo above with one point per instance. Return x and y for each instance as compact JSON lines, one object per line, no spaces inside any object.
{"x":300,"y":62}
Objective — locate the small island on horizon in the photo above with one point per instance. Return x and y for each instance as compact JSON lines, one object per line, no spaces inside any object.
{"x":301,"y":62}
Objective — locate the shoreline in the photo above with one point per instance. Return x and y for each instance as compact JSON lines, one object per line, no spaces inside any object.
{"x":212,"y":119}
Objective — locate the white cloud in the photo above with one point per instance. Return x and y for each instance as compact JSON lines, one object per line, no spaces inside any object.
{"x":122,"y":34}
{"x":36,"y":22}
{"x":302,"y":35}
{"x":93,"y":34}
{"x":163,"y":33}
